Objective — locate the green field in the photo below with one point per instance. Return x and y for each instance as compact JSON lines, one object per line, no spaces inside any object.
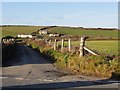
{"x":14,"y":30}
{"x":109,"y":47}
{"x":82,"y":32}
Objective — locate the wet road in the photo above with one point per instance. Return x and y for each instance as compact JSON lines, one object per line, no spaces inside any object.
{"x":31,"y":70}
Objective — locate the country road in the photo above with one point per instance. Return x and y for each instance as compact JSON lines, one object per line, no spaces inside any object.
{"x":28,"y":69}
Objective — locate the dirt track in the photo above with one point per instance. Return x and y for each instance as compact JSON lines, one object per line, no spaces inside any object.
{"x":29,"y":69}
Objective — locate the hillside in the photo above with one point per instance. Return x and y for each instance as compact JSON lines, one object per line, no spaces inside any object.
{"x":86,"y":32}
{"x":14,"y":30}
{"x":91,"y":32}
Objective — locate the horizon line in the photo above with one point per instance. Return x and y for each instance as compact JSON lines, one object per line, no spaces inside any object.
{"x":57,"y":25}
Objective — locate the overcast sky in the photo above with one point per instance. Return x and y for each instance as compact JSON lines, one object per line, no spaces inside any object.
{"x":82,"y":14}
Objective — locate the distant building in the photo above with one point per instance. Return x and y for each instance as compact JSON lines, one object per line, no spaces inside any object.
{"x":54,"y":35}
{"x":24,"y":36}
{"x":42,"y":32}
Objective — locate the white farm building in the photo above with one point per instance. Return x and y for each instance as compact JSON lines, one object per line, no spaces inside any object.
{"x":43,"y":32}
{"x":24,"y":36}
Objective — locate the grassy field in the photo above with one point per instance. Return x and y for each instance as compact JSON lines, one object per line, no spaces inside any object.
{"x":14,"y":30}
{"x":109,"y":47}
{"x":81,"y":32}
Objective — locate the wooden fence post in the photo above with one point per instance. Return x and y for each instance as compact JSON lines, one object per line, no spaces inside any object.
{"x":62,"y":45}
{"x":55,"y":44}
{"x":69,"y":45}
{"x":82,"y":44}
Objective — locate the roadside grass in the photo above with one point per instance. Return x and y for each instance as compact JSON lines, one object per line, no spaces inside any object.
{"x":82,"y":32}
{"x":14,"y":30}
